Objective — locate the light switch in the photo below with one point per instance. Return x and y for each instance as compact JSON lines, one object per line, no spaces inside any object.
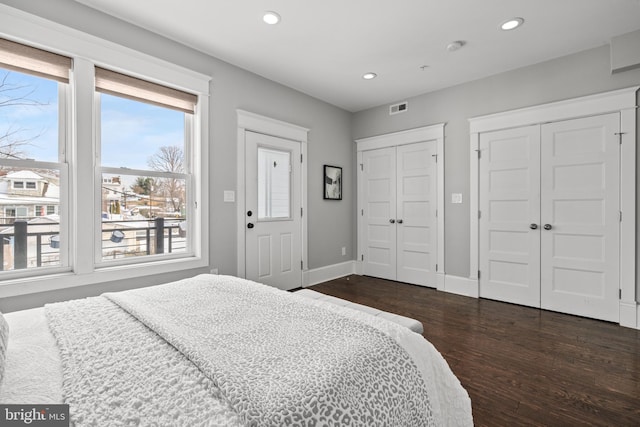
{"x":229,"y":196}
{"x":456,"y":198}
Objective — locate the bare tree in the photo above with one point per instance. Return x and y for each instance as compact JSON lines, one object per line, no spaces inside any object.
{"x":170,"y":159}
{"x":14,"y":140}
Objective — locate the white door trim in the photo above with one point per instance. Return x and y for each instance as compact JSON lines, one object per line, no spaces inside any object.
{"x":426,"y":133}
{"x":622,"y":101}
{"x":248,"y":121}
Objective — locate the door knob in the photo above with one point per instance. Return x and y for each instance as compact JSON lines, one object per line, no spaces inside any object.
{"x":250,"y":225}
{"x":533,"y":226}
{"x":392,"y":221}
{"x":400,"y":221}
{"x":548,"y":227}
{"x":249,"y":213}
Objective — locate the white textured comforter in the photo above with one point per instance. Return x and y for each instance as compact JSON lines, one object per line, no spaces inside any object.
{"x":249,"y":354}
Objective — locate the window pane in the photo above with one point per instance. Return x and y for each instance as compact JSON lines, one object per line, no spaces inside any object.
{"x":30,"y":239}
{"x":28,"y":117}
{"x":142,"y":215}
{"x":137,"y":210}
{"x":274,"y":184}
{"x":141,"y":136}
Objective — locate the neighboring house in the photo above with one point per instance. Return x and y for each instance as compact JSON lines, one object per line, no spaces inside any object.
{"x":26,"y":194}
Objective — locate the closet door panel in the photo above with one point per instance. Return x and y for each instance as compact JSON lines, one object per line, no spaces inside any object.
{"x":379,"y":186}
{"x":416,"y":213}
{"x":580,"y":187}
{"x":510,"y":215}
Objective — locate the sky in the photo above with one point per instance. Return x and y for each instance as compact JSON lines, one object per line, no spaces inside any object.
{"x":131,"y":131}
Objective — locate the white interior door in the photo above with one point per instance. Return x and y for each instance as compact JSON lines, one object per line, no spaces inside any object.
{"x":416,"y":221}
{"x":379,"y":216}
{"x":273,"y":250}
{"x":580,"y":215}
{"x":510,"y":215}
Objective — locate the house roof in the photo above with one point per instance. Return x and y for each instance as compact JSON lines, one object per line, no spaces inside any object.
{"x":24,"y":174}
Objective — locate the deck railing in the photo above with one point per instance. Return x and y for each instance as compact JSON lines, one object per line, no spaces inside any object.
{"x":38,"y":245}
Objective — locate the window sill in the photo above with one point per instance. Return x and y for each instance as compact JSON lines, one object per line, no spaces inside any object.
{"x":52,"y":282}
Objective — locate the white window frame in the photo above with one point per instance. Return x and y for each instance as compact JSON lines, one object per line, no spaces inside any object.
{"x":87,"y":52}
{"x":100,"y":170}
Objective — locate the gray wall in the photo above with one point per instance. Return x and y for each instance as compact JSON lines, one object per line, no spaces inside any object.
{"x":331,"y":224}
{"x":571,"y":76}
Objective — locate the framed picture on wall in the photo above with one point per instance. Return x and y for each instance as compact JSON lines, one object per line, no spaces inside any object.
{"x":332,"y":182}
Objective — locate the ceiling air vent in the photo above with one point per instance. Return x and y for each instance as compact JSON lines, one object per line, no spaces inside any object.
{"x":398,"y":108}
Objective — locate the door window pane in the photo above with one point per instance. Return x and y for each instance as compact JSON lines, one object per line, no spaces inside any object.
{"x":274,"y":184}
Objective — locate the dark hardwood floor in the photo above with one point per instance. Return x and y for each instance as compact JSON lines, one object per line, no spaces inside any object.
{"x":521,"y":366}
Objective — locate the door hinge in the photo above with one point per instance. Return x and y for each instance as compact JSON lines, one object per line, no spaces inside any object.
{"x":435,"y":156}
{"x":361,"y":212}
{"x":362,"y":257}
{"x":301,"y":157}
{"x":620,"y":216}
{"x":301,"y":265}
{"x":361,"y":167}
{"x":436,"y":213}
{"x":436,"y":267}
{"x":479,"y":214}
{"x":619,"y":293}
{"x":301,"y":211}
{"x":479,"y":155}
{"x":619,"y":134}
{"x":478,"y":274}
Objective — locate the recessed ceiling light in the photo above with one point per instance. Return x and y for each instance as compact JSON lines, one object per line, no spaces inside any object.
{"x":271,"y":18}
{"x":369,"y":76}
{"x":511,"y":24}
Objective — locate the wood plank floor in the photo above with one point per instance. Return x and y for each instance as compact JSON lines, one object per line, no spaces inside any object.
{"x":521,"y":366}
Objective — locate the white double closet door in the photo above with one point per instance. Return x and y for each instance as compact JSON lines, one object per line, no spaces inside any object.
{"x":399,"y":223}
{"x":550,"y":216}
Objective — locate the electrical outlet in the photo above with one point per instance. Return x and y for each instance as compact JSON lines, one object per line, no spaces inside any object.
{"x":344,"y":251}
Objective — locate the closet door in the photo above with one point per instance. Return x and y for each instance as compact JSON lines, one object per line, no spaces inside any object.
{"x":379,"y":213}
{"x":509,"y":215}
{"x":416,"y":220}
{"x":580,"y":215}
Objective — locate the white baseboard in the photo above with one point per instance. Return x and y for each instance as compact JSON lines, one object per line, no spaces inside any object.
{"x":630,"y":315}
{"x":461,"y":286}
{"x":329,"y":272}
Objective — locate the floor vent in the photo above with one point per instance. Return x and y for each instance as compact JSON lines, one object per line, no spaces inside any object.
{"x":398,"y":108}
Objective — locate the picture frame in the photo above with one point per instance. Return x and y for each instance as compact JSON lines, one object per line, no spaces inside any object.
{"x":332,"y":183}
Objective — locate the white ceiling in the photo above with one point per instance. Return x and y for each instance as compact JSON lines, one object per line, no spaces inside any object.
{"x":322,"y":48}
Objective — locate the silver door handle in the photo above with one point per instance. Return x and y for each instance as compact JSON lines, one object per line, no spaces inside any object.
{"x":533,"y":226}
{"x":392,"y":221}
{"x":548,"y":227}
{"x":400,"y":221}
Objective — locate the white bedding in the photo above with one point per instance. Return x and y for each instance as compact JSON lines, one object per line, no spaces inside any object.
{"x":27,"y":381}
{"x":33,"y":371}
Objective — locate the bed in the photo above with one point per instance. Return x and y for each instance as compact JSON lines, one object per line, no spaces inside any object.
{"x":222,"y":351}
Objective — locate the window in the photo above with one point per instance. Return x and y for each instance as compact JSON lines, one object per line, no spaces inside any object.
{"x":274,"y":184}
{"x":78,"y":209}
{"x":145,"y":133}
{"x":31,"y":81}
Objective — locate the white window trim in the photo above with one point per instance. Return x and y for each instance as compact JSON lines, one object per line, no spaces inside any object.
{"x":87,"y":52}
{"x":622,"y":101}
